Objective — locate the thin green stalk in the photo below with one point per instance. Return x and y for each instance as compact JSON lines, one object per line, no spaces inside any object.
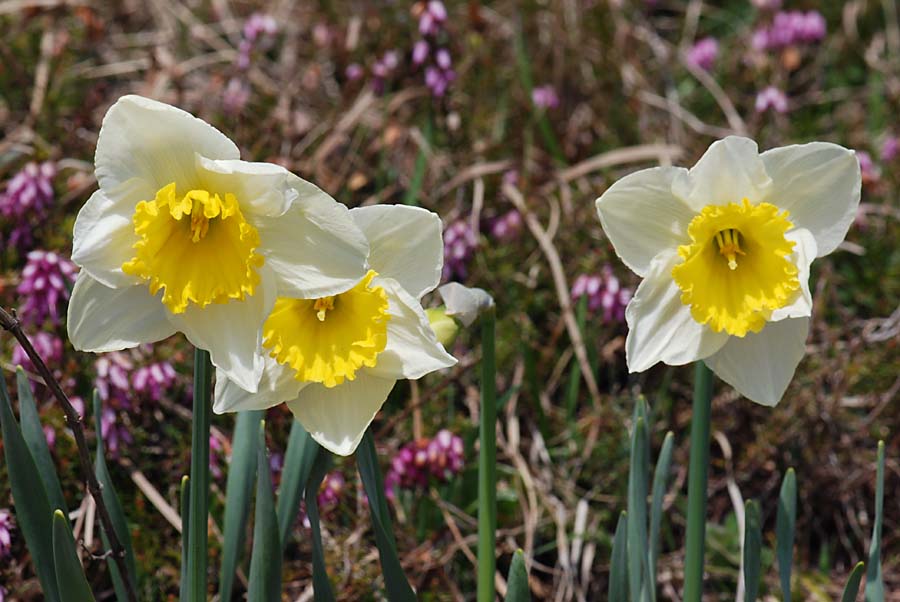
{"x":199,"y":482}
{"x":698,"y":473}
{"x":487,"y":463}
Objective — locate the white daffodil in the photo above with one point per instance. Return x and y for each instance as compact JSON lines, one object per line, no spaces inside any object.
{"x":334,"y":359}
{"x":724,"y":250}
{"x":183,"y":236}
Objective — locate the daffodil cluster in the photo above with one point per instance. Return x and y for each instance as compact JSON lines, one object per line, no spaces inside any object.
{"x":296,"y":298}
{"x":725,"y":250}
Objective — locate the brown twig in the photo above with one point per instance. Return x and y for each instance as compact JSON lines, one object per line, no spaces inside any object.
{"x":74,"y":421}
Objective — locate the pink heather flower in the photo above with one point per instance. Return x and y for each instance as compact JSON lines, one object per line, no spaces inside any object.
{"x":445,"y":455}
{"x":330,"y":491}
{"x":6,"y":526}
{"x":432,"y":18}
{"x":459,"y":247}
{"x":791,"y":28}
{"x":113,"y":380}
{"x":604,"y":292}
{"x":420,"y":52}
{"x":48,"y":346}
{"x":114,"y":432}
{"x":154,"y":380}
{"x":507,"y":227}
{"x":235,"y":96}
{"x":771,"y":98}
{"x":383,"y":68}
{"x":890,"y":148}
{"x":544,"y":97}
{"x":25,"y":201}
{"x":767,"y":4}
{"x":353,"y":72}
{"x":703,"y":53}
{"x":870,"y":171}
{"x":259,"y":24}
{"x":45,"y":284}
{"x":50,"y":436}
{"x":419,"y":461}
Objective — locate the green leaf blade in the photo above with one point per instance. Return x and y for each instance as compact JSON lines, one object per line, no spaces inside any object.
{"x":785,"y":522}
{"x":298,"y":462}
{"x":752,"y":550}
{"x":265,"y":561}
{"x":638,"y":474}
{"x":874,"y":578}
{"x":321,"y":583}
{"x":33,"y":431}
{"x":851,"y":589}
{"x":618,"y":565}
{"x":70,"y":579}
{"x":517,"y":589}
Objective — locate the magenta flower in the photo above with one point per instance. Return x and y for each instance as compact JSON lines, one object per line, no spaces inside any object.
{"x":48,"y":346}
{"x":771,"y":98}
{"x":789,"y":29}
{"x":154,"y":380}
{"x":545,"y":97}
{"x":460,"y":243}
{"x":604,"y":293}
{"x":703,"y":53}
{"x":432,"y":18}
{"x":507,"y":227}
{"x":330,"y":491}
{"x":24,"y":203}
{"x":890,"y":148}
{"x":6,"y":527}
{"x":45,"y":284}
{"x":417,"y":462}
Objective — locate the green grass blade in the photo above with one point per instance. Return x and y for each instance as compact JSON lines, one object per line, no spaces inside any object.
{"x":658,"y":491}
{"x":199,"y":497}
{"x":618,"y":564}
{"x":487,"y":463}
{"x":851,"y":590}
{"x":784,"y":530}
{"x":321,"y":583}
{"x":33,"y":512}
{"x":398,"y":589}
{"x":752,"y":550}
{"x":70,"y":579}
{"x":116,"y":513}
{"x":298,"y":461}
{"x":517,"y":589}
{"x":185,"y":537}
{"x":36,"y":441}
{"x":698,"y":479}
{"x":637,"y":508}
{"x":574,"y":385}
{"x":238,"y":491}
{"x":265,"y":563}
{"x":874,"y":580}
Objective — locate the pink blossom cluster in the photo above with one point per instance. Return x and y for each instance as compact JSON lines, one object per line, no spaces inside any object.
{"x":154,"y":380}
{"x":703,"y":53}
{"x":383,"y":69}
{"x":771,"y":98}
{"x":257,"y":33}
{"x":545,"y":97}
{"x":439,"y":73}
{"x":460,"y":243}
{"x":507,"y":227}
{"x":890,"y":148}
{"x":790,"y":28}
{"x":330,"y":491}
{"x":419,"y":461}
{"x":45,"y":284}
{"x":113,"y":383}
{"x":49,"y":347}
{"x":604,"y":292}
{"x":24,"y":203}
{"x":6,"y":527}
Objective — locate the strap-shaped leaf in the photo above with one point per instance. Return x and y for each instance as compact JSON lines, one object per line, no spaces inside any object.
{"x":298,"y":461}
{"x":265,"y":563}
{"x":116,"y":512}
{"x":784,"y":530}
{"x":660,"y":478}
{"x":874,"y":580}
{"x":70,"y":579}
{"x":321,"y":582}
{"x":517,"y":581}
{"x":851,"y":590}
{"x":638,"y":475}
{"x":32,"y":506}
{"x":238,"y":491}
{"x":398,"y":589}
{"x":618,"y":564}
{"x":36,"y":440}
{"x":752,"y":550}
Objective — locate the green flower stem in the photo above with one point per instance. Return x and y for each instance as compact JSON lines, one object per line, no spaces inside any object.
{"x":487,"y":463}
{"x":199,"y":482}
{"x":698,"y":472}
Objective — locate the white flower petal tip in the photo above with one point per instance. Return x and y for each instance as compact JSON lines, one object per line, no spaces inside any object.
{"x":337,"y":417}
{"x":464,"y":303}
{"x":729,"y":171}
{"x":277,"y":385}
{"x":760,"y":366}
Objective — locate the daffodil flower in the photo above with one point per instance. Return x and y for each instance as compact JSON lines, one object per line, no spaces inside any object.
{"x":724,"y":250}
{"x":182,"y":236}
{"x":334,"y":359}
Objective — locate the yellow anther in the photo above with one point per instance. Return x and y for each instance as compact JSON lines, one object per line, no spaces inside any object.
{"x":729,"y":246}
{"x":322,"y":305}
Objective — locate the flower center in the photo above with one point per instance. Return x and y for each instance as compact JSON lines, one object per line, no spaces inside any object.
{"x":728,"y":293}
{"x":209,"y":258}
{"x":327,"y":340}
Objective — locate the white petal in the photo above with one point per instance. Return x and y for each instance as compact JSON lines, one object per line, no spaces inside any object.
{"x":276,"y":386}
{"x":729,"y":171}
{"x":819,"y":183}
{"x":465,"y":303}
{"x":802,"y":257}
{"x":315,"y":248}
{"x":760,"y":365}
{"x":260,"y":188}
{"x":109,"y":319}
{"x":104,"y":238}
{"x":412,"y":349}
{"x":232,"y":332}
{"x":405,"y":244}
{"x":338,"y":417}
{"x":660,"y":326}
{"x":642,"y":218}
{"x":155,"y":142}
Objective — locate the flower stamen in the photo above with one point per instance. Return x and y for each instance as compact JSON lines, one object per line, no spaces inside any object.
{"x":729,"y":246}
{"x":322,"y":305}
